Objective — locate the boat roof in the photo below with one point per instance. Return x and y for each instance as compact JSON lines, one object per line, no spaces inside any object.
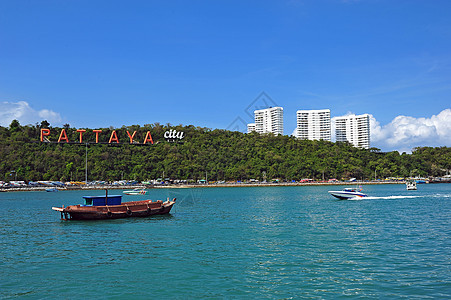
{"x":103,"y":196}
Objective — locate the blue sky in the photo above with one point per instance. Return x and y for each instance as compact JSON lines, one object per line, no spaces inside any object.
{"x":113,"y":63}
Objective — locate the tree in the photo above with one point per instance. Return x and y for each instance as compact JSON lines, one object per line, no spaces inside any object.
{"x":14,"y":126}
{"x":45,"y":124}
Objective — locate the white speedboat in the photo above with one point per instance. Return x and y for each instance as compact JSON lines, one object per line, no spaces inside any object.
{"x":135,"y":192}
{"x":348,"y":193}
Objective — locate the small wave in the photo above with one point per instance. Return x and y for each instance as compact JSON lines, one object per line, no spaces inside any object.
{"x":441,"y":196}
{"x":409,"y":196}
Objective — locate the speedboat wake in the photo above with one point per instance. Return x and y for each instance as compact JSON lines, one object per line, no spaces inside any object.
{"x":392,"y":197}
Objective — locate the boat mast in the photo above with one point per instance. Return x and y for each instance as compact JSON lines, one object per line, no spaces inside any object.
{"x":86,"y":165}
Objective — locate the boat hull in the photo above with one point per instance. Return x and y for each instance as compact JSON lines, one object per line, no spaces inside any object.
{"x":135,"y":193}
{"x":132,"y":209}
{"x":343,"y":195}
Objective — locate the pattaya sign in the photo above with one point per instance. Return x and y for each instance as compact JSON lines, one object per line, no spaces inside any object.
{"x":170,"y":135}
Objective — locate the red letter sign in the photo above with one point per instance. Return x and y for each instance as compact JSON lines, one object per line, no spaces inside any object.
{"x":97,"y":131}
{"x":131,"y":136}
{"x":44,"y":132}
{"x":113,"y":137}
{"x":63,"y":136}
{"x":81,"y":134}
{"x":148,"y":138}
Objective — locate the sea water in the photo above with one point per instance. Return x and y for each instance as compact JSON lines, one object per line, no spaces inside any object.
{"x":244,"y":242}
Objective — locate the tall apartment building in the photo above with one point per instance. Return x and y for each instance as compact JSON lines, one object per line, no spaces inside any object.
{"x":250,"y":127}
{"x":313,"y":124}
{"x":353,"y":129}
{"x":268,"y":120}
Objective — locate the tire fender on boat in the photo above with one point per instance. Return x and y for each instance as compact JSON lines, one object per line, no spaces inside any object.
{"x":109,"y":214}
{"x":149,"y":210}
{"x":128,"y":212}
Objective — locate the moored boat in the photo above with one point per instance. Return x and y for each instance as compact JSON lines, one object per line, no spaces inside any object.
{"x":348,"y":193}
{"x":111,"y":207}
{"x":54,"y":189}
{"x":411,"y":184}
{"x":420,"y":181}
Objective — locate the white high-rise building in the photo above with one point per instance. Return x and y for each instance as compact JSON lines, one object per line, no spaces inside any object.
{"x":353,"y":129}
{"x":268,"y":120}
{"x":250,"y":127}
{"x":313,"y":124}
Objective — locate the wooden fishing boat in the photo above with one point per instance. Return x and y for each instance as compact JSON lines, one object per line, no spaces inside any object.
{"x":111,"y":207}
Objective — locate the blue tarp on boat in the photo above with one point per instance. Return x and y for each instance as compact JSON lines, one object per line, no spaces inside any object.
{"x":101,"y":200}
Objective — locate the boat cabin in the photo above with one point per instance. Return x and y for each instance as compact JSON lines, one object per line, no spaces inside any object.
{"x":103,"y":200}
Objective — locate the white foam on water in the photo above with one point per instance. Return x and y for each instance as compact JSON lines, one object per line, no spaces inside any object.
{"x":393,"y":197}
{"x":352,"y":199}
{"x":441,"y":196}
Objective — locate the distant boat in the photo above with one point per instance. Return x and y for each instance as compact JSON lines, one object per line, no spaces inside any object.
{"x":348,"y":193}
{"x":135,"y":192}
{"x":52,"y":190}
{"x":420,"y":181}
{"x":111,"y":207}
{"x":411,"y":184}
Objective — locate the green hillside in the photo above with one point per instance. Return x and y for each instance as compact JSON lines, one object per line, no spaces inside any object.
{"x":223,"y":154}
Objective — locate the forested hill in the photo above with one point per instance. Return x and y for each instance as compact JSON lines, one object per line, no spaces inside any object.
{"x":224,"y":155}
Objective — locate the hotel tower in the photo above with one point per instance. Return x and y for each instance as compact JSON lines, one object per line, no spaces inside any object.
{"x":268,"y":120}
{"x":353,"y":129}
{"x":313,"y":124}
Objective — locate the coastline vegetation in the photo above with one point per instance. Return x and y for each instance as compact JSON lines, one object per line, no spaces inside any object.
{"x":218,"y":154}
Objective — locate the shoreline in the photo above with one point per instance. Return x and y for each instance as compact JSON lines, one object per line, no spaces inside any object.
{"x":187,"y":186}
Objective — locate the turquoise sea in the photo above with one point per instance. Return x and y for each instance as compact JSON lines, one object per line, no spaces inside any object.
{"x":244,"y":242}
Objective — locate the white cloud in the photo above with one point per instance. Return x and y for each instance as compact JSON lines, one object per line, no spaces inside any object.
{"x":25,"y":114}
{"x":405,"y":133}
